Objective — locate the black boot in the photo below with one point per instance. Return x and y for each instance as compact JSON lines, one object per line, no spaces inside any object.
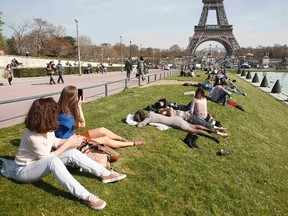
{"x":218,"y":124}
{"x":190,"y":140}
{"x":194,"y":138}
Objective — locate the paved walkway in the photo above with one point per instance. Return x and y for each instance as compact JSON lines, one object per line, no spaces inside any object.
{"x":26,"y":88}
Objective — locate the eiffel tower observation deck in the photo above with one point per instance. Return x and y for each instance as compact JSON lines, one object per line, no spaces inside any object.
{"x":222,"y":32}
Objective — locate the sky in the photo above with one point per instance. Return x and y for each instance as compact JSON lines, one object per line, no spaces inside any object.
{"x":152,"y":23}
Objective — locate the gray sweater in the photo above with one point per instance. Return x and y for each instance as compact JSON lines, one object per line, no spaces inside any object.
{"x":175,"y":122}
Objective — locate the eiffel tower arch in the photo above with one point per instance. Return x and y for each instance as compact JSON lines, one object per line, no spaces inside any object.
{"x":221,"y":33}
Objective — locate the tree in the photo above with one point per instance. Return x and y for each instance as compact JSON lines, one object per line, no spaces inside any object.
{"x":41,"y":33}
{"x":85,"y":44}
{"x":1,"y":35}
{"x":20,"y":39}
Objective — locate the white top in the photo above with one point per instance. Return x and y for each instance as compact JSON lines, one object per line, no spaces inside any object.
{"x":35,"y":146}
{"x":199,"y":107}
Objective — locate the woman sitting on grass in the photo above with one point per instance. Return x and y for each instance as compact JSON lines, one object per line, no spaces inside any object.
{"x":71,"y":117}
{"x":175,"y":122}
{"x":35,"y":159}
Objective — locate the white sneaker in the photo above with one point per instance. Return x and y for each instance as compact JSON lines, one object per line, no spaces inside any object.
{"x":95,"y":202}
{"x":113,"y":177}
{"x":222,"y":134}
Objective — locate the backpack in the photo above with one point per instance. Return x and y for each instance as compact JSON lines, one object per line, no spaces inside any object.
{"x":49,"y":70}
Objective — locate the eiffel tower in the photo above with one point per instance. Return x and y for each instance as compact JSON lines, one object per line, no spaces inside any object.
{"x":222,"y":32}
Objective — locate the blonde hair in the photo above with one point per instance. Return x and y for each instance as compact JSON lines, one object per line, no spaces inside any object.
{"x":68,"y":103}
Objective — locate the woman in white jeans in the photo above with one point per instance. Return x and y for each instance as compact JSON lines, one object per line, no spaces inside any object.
{"x":36,"y":160}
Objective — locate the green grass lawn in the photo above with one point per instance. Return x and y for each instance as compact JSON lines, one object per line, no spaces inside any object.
{"x":165,"y":177}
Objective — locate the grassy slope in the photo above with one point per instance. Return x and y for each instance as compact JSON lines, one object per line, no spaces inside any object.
{"x":165,"y":177}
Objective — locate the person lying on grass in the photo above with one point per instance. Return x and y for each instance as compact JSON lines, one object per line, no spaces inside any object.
{"x":71,"y":117}
{"x":164,"y":103}
{"x":35,"y":159}
{"x":196,"y":113}
{"x":175,"y":122}
{"x":193,"y":119}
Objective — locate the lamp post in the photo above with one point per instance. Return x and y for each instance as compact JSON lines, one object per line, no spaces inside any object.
{"x":153,"y":53}
{"x":130,"y":49}
{"x":140,"y":50}
{"x":121,"y":53}
{"x":78,"y":48}
{"x":285,"y":57}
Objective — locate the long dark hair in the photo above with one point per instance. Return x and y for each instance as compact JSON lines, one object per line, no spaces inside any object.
{"x":68,"y":102}
{"x":139,"y":116}
{"x":200,"y":93}
{"x":42,"y":116}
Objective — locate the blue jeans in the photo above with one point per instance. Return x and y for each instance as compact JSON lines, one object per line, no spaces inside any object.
{"x":57,"y":166}
{"x":223,"y":98}
{"x":194,"y":119}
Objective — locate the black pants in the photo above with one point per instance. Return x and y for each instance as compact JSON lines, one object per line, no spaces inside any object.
{"x":60,"y":78}
{"x":10,"y":79}
{"x":51,"y":80}
{"x":128,"y":74}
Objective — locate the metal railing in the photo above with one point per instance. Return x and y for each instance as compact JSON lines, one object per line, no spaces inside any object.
{"x":105,"y":89}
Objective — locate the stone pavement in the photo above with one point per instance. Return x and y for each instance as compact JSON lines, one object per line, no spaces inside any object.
{"x":26,"y":88}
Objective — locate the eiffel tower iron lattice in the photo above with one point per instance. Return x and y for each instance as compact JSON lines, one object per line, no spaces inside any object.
{"x":222,"y":32}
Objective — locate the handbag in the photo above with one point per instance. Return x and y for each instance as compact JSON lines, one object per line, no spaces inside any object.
{"x":95,"y":154}
{"x":113,"y":155}
{"x":6,"y":74}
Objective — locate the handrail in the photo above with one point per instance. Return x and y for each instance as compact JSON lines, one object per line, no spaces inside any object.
{"x":170,"y":72}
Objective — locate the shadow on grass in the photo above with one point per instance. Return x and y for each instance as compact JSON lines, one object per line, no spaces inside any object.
{"x":75,"y":171}
{"x":8,"y":157}
{"x":15,"y":142}
{"x":53,"y":190}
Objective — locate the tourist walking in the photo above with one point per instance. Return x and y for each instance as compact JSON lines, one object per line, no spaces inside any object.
{"x":128,"y":67}
{"x":60,"y":71}
{"x":141,"y":68}
{"x":8,"y":73}
{"x":50,"y":71}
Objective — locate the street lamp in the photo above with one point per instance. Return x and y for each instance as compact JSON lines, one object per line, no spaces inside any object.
{"x":285,"y":57}
{"x":130,"y":49}
{"x":121,"y":53}
{"x":153,"y":52}
{"x":140,"y":50}
{"x":78,"y":48}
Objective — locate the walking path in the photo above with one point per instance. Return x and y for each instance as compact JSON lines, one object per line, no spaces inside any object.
{"x":26,"y":88}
